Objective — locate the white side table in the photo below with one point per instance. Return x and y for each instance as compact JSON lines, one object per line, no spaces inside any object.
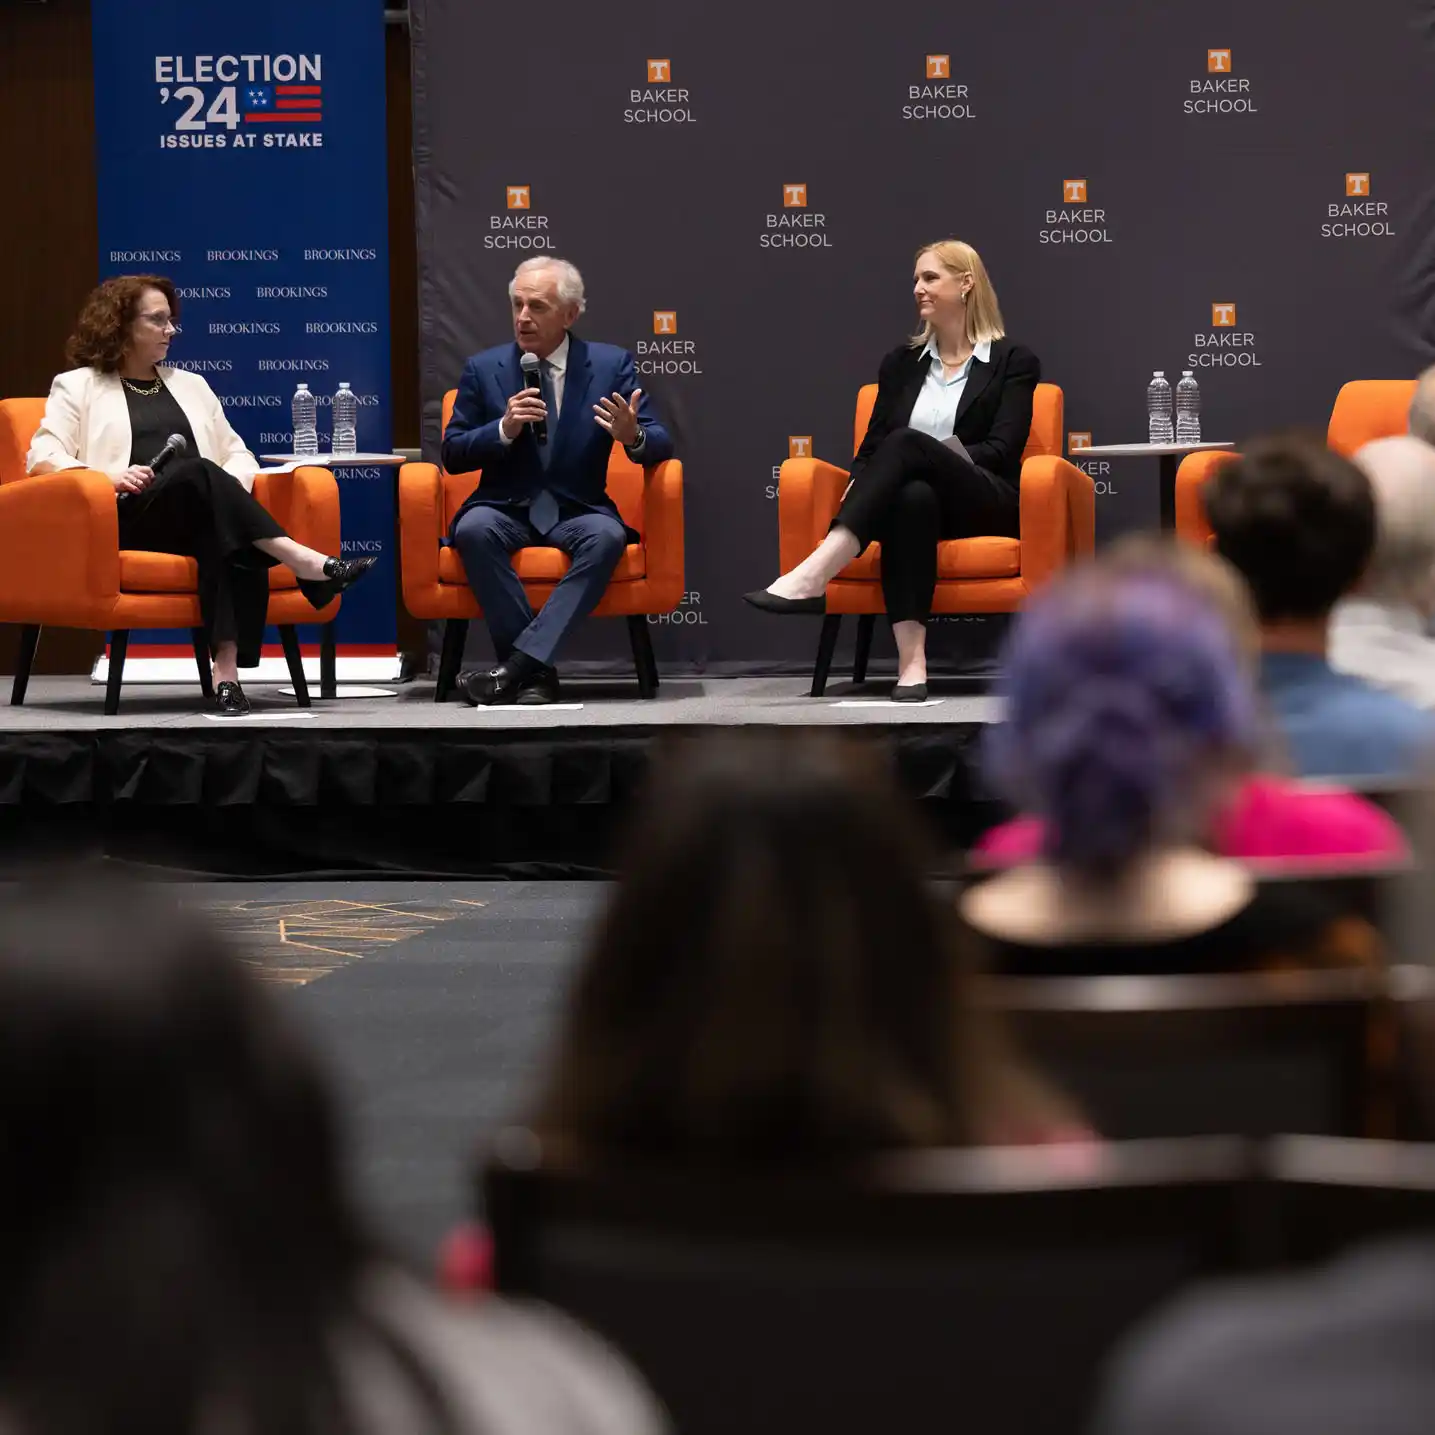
{"x":328,"y":659}
{"x":1170,"y":456}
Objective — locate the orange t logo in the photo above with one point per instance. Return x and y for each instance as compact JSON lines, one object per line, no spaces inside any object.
{"x":794,"y":196}
{"x":1357,"y":184}
{"x":1075,"y":441}
{"x":1223,"y":316}
{"x":939,"y":67}
{"x":1218,"y":62}
{"x":799,"y":445}
{"x":659,"y":72}
{"x":519,"y":196}
{"x":1073,"y":191}
{"x":665,"y":321}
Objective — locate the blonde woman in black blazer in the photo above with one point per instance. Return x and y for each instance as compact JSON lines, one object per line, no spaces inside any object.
{"x":941,"y":458}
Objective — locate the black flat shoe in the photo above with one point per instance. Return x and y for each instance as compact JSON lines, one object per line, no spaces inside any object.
{"x":911,"y":693}
{"x":229,"y":700}
{"x":339,"y":574}
{"x":541,"y":687}
{"x":771,"y":603}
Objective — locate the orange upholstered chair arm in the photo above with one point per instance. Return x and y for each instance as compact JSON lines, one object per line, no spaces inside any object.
{"x":306,"y":503}
{"x":1058,"y":516}
{"x":809,"y":493}
{"x":59,"y":548}
{"x":420,"y":528}
{"x":663,"y":533}
{"x":1191,"y":478}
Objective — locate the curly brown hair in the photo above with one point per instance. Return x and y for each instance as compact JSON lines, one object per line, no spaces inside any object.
{"x":103,"y":328}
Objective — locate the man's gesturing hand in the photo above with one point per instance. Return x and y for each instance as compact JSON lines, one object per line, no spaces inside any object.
{"x":524,"y":407}
{"x":620,"y":417}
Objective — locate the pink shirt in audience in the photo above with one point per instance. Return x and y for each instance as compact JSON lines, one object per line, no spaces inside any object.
{"x":1270,"y":818}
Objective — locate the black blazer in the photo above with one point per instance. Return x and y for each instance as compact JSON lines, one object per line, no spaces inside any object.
{"x":993,"y":418}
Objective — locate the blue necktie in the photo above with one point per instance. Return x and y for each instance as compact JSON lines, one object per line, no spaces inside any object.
{"x":543,"y":510}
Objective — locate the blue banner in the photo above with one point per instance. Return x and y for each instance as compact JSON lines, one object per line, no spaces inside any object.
{"x":241,"y":152}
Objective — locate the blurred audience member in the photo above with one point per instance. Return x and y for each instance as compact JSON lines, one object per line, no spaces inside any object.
{"x":179,"y":1251}
{"x":1130,"y":718}
{"x":1264,"y":816}
{"x":1422,"y":407}
{"x":776,"y":980}
{"x":1379,"y":632}
{"x":1298,"y":522}
{"x":1345,"y":1351}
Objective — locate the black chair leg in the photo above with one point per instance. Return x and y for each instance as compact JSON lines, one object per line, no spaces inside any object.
{"x":450,"y":658}
{"x":202,"y":662}
{"x":289,"y":636}
{"x":119,"y":645}
{"x":24,"y":661}
{"x":328,"y":662}
{"x":826,"y":646}
{"x":643,"y":659}
{"x":865,"y":625}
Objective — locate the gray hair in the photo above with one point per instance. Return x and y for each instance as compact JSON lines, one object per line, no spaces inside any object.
{"x":1422,"y":407}
{"x":1401,"y":471}
{"x":570,"y":281}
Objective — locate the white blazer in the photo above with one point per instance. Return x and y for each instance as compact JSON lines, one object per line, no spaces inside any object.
{"x":87,"y":424}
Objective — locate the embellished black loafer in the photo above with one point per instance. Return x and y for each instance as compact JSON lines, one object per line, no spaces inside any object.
{"x":229,"y":700}
{"x":339,"y":574}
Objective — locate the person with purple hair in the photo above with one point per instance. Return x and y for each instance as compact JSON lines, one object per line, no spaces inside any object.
{"x":1130,"y":716}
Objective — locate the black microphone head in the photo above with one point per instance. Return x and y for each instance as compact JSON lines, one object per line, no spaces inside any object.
{"x":528,"y":363}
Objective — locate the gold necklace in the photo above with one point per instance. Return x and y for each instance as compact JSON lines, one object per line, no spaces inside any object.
{"x":134,"y":388}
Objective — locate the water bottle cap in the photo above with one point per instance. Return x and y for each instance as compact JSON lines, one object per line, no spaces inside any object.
{"x":344,"y":385}
{"x":1185,"y":373}
{"x":1159,"y":374}
{"x":302,"y":389}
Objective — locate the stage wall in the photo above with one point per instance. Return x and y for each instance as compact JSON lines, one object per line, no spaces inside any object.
{"x":1243,"y":190}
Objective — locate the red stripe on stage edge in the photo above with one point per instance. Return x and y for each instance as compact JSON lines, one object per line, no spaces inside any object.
{"x":298,"y":89}
{"x":266,"y":119}
{"x":298,"y":104}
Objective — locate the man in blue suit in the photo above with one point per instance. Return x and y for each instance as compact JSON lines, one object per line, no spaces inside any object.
{"x":544,"y":455}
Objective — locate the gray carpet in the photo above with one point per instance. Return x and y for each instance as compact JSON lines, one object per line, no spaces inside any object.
{"x":75,"y":704}
{"x":432,"y":1013}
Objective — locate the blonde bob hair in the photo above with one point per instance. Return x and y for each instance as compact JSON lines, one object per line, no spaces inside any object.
{"x":984,"y":315}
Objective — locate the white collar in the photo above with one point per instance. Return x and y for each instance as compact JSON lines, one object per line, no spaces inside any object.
{"x":557,"y":361}
{"x":982,"y":352}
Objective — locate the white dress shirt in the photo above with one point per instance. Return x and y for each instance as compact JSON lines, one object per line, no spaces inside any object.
{"x":1385,"y":645}
{"x":935,"y":412}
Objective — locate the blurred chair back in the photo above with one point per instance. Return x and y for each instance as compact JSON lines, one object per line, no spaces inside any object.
{"x":19,"y":418}
{"x":981,"y":1289}
{"x":1368,"y":409}
{"x":1047,"y":409}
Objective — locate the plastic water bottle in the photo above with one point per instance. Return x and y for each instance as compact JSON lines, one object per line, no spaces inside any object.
{"x":306,"y":433}
{"x":346,"y":416}
{"x":1188,"y":409}
{"x":1158,"y":410}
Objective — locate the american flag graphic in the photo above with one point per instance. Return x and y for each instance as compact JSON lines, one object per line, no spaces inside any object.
{"x":291,"y":104}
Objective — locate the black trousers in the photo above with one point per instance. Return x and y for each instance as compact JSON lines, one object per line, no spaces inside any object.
{"x":196,"y":509}
{"x":914,"y":492}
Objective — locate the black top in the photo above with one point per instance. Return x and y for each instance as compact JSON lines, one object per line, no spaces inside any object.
{"x":153,"y":417}
{"x":993,"y":416}
{"x":1279,"y":921}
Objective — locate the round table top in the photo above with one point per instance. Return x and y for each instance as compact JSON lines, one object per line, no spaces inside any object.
{"x":1145,"y":450}
{"x":336,"y":460}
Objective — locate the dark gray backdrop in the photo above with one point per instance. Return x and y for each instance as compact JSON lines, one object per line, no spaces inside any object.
{"x":1198,"y":208}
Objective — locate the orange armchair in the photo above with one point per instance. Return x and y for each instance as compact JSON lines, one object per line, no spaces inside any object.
{"x":1365,"y":410}
{"x":974,"y":575}
{"x":648,"y":578}
{"x":61,"y":562}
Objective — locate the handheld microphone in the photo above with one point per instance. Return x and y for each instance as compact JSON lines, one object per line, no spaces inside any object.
{"x":175,"y":446}
{"x":532,"y":380}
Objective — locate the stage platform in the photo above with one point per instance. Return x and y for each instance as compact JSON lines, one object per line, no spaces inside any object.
{"x":401,"y":784}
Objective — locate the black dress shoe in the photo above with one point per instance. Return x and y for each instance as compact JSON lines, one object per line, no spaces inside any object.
{"x":771,"y":603}
{"x":498,"y":685}
{"x":540,"y":687}
{"x":339,"y":574}
{"x":911,"y":693}
{"x":229,"y":700}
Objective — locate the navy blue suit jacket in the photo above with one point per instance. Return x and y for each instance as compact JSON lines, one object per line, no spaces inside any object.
{"x":578,"y":466}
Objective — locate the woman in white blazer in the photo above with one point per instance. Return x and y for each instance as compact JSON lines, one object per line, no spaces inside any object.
{"x":114,"y":413}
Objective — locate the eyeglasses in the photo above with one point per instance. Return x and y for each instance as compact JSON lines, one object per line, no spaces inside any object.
{"x":158,"y":321}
